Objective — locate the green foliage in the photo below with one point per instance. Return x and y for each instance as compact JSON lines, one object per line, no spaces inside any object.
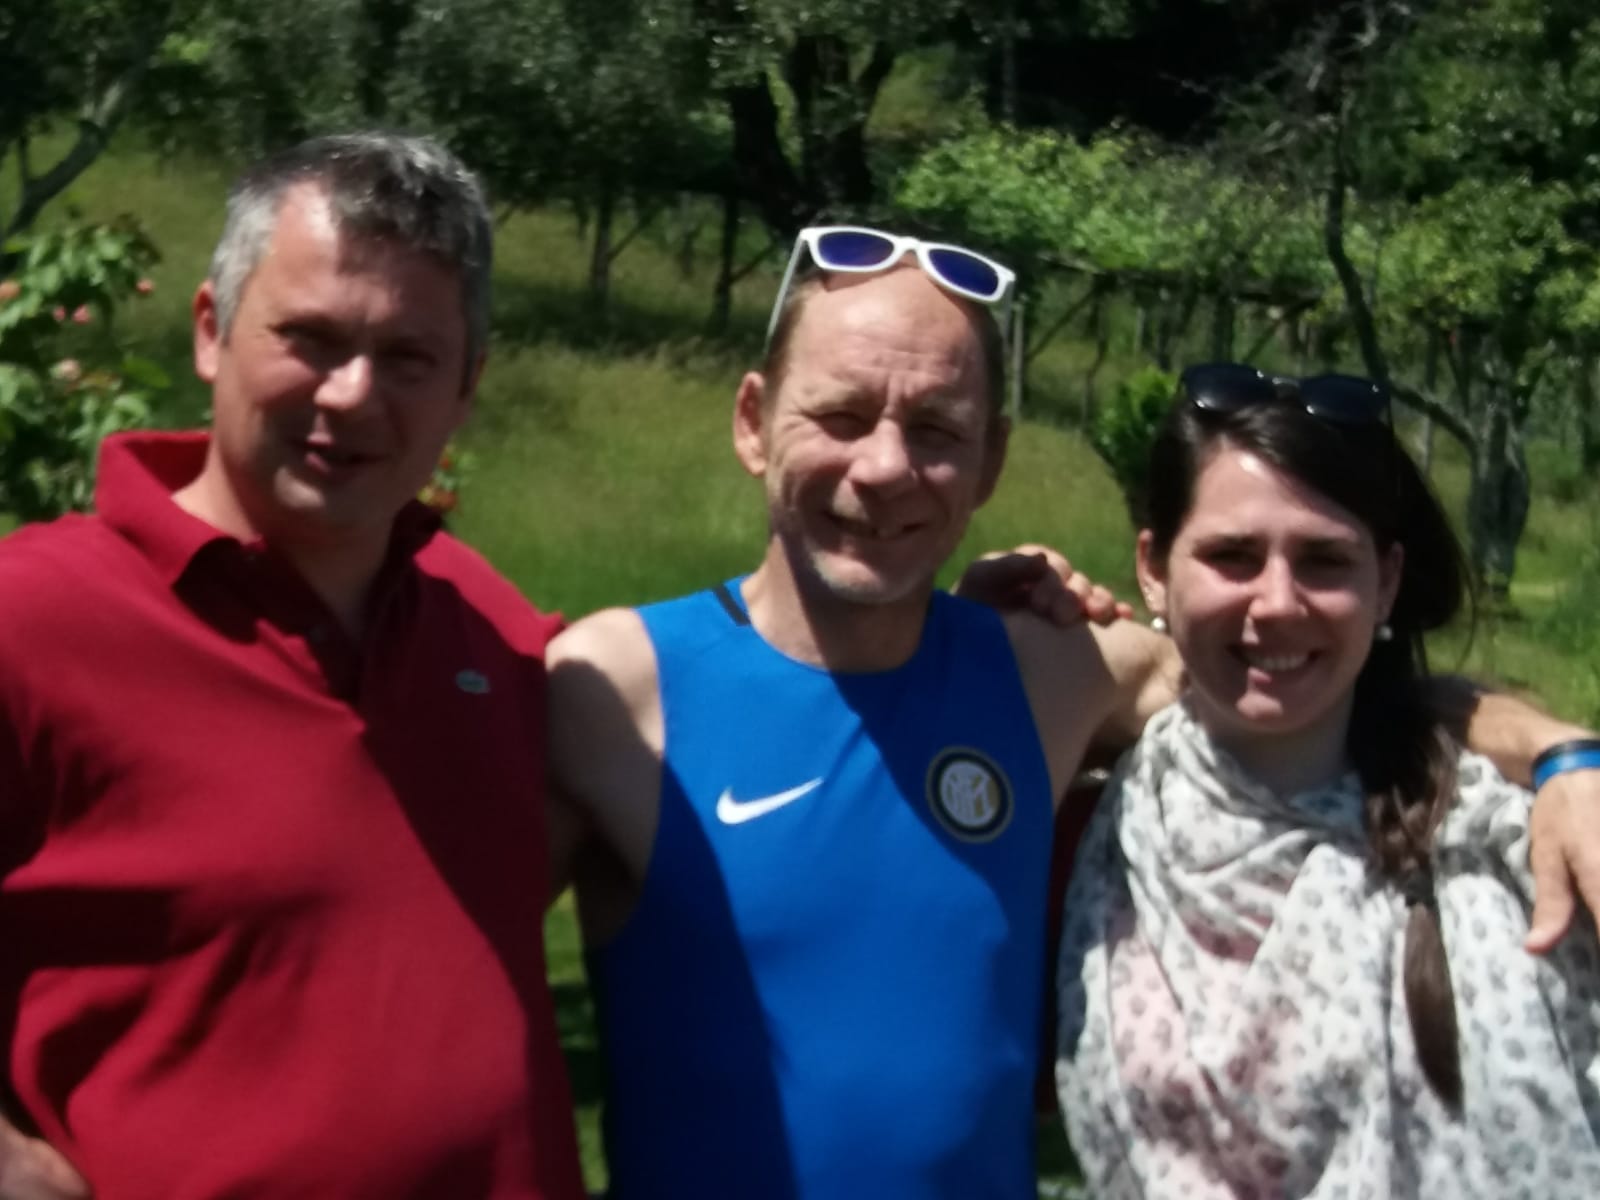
{"x":52,"y":55}
{"x":1124,"y":429}
{"x":750,"y":37}
{"x":455,"y":467}
{"x":1481,"y":250}
{"x":64,"y":383}
{"x":70,"y":64}
{"x":1120,"y":205}
{"x":551,"y":97}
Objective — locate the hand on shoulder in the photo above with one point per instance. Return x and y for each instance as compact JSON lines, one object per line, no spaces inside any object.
{"x":1090,"y":684}
{"x":1042,"y":579}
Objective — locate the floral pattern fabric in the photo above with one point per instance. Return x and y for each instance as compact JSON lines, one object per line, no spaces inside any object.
{"x":1233,"y":1017}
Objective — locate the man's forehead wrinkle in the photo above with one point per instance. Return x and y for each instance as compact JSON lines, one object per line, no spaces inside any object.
{"x":897,"y":371}
{"x":895,"y":344}
{"x":892,"y":342}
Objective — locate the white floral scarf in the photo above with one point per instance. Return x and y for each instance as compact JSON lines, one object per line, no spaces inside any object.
{"x":1233,"y":1021}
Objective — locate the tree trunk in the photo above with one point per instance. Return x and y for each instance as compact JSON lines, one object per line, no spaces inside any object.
{"x":1172,"y":325}
{"x":384,"y":23}
{"x":1099,"y":329}
{"x":1355,"y":296}
{"x":1008,"y":63}
{"x":1588,"y":419}
{"x":1430,"y":381}
{"x":832,"y":106}
{"x":1222,"y":321}
{"x":1359,"y":308}
{"x":760,"y":165}
{"x":98,"y":120}
{"x":1296,"y":339}
{"x":1019,"y":357}
{"x":600,"y":251}
{"x":722,"y":298}
{"x":1497,"y":504}
{"x":1467,"y":357}
{"x":688,"y":230}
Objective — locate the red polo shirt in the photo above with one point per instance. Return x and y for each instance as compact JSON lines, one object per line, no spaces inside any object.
{"x":272,"y":902}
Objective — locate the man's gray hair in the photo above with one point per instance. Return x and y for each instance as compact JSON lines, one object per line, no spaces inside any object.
{"x":381,"y":187}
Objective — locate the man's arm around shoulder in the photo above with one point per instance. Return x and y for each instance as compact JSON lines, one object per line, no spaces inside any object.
{"x":1091,"y":686}
{"x":1565,"y":824}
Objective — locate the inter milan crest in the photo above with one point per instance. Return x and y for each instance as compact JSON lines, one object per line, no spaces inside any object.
{"x":969,"y":794}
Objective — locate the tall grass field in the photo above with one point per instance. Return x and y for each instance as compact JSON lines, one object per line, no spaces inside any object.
{"x":601,"y":470}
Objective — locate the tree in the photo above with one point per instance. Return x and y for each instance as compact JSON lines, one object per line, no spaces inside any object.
{"x":597,"y":105}
{"x":1478,"y":116}
{"x":75,"y":62}
{"x":1419,"y":177}
{"x":1124,"y":213}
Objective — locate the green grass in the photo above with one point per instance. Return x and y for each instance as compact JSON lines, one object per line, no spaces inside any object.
{"x":604,"y":472}
{"x":575,"y":1021}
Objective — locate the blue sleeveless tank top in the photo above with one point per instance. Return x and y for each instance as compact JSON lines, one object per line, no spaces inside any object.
{"x":831,"y":985}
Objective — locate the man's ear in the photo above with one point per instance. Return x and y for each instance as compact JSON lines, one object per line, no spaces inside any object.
{"x":1152,"y":574}
{"x":996,"y":442}
{"x":749,"y":417}
{"x":207,"y":333}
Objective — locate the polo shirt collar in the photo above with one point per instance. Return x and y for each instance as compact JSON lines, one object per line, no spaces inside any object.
{"x":139,"y":472}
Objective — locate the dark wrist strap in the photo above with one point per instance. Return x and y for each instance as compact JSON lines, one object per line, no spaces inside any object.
{"x":1580,"y":754}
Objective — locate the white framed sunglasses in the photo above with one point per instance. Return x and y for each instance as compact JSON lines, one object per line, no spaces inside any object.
{"x":857,"y":249}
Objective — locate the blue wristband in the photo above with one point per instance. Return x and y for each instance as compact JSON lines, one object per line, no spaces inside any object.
{"x":1580,"y":755}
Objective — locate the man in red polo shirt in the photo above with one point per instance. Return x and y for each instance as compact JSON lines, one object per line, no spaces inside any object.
{"x":271,"y":790}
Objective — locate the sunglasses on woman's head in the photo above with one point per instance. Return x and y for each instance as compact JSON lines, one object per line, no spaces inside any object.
{"x":854,"y":248}
{"x":1229,"y":387}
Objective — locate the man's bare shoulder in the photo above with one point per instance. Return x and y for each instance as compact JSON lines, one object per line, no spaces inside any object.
{"x":611,"y":644}
{"x":607,"y":734}
{"x":600,"y":635}
{"x":602,"y":673}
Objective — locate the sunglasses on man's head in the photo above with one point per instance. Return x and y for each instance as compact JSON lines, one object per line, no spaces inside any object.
{"x":1229,"y":387}
{"x":855,"y":248}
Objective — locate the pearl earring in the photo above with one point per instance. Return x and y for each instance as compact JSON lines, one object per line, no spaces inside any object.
{"x":1384,"y":632}
{"x":1159,"y":624}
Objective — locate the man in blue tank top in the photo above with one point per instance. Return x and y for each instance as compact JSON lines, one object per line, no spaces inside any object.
{"x":817,"y":941}
{"x":810,"y":809}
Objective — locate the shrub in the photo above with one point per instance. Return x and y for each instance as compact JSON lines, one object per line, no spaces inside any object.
{"x":64,"y":383}
{"x":1124,"y":427}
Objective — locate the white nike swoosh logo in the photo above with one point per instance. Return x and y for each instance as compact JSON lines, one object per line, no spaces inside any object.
{"x":734,"y":812}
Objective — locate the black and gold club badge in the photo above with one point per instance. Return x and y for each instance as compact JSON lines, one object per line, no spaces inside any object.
{"x":969,"y":794}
